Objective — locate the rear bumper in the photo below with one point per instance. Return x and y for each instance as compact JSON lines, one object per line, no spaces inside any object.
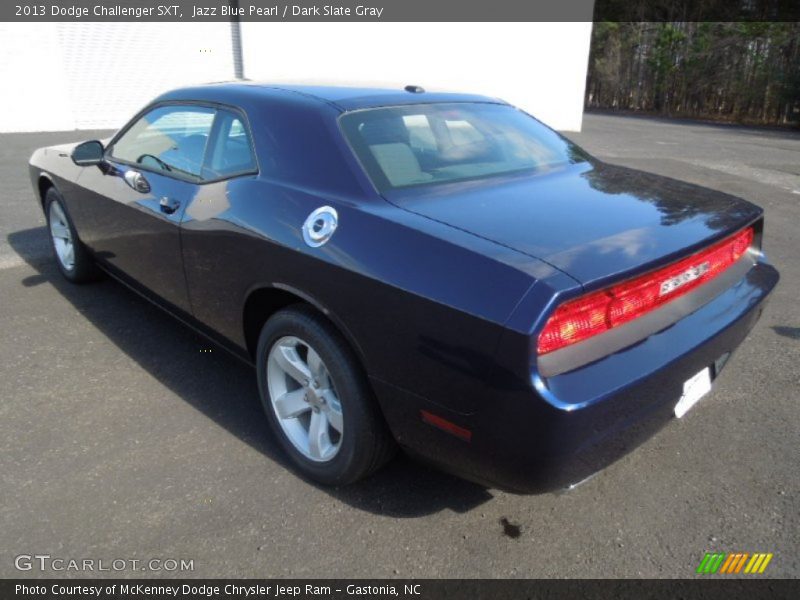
{"x":559,"y":431}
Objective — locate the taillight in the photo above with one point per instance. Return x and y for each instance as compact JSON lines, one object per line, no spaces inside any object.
{"x":597,"y":312}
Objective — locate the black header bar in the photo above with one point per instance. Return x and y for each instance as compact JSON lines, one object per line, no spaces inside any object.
{"x":398,"y":10}
{"x":708,"y":588}
{"x":198,"y":11}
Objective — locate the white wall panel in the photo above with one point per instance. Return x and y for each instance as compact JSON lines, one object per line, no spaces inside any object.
{"x":60,"y":76}
{"x":32,"y":79}
{"x":540,"y":67}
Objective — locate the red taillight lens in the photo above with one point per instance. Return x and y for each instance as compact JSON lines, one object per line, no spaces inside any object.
{"x":597,"y":312}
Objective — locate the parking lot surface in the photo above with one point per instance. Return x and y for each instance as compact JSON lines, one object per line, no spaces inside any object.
{"x":123,"y":435}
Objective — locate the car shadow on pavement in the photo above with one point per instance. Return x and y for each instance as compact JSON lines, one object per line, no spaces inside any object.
{"x":793,"y":333}
{"x":224,"y":389}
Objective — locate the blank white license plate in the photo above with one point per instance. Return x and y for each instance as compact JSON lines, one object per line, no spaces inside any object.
{"x":694,"y":388}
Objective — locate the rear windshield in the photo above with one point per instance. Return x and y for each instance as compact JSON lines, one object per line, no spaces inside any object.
{"x":425,"y":144}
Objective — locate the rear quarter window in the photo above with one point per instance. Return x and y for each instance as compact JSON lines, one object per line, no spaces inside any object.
{"x":231,"y":152}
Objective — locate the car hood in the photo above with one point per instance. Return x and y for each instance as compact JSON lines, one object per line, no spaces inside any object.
{"x":592,"y":221}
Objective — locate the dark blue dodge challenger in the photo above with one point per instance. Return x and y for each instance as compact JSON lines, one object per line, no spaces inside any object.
{"x":435,"y":271}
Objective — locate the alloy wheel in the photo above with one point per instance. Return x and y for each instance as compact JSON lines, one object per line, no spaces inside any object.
{"x":304,"y":399}
{"x":62,"y":236}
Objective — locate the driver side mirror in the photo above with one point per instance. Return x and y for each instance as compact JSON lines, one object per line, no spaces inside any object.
{"x":88,"y":153}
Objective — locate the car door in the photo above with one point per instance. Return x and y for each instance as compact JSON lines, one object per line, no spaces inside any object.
{"x":137,"y":199}
{"x":214,"y":231}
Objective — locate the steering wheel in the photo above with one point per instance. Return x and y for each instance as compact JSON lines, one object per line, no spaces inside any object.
{"x":149,"y":157}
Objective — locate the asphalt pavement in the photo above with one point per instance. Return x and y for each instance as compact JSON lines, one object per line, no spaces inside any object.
{"x":123,"y":435}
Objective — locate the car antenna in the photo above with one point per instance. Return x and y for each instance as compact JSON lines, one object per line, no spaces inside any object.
{"x":414,"y":89}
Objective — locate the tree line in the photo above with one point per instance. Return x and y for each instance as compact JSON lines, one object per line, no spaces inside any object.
{"x":746,"y":72}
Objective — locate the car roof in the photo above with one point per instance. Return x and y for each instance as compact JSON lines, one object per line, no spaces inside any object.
{"x":342,"y":97}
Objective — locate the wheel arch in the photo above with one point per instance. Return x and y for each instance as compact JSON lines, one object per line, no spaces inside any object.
{"x":43,"y":183}
{"x":263,"y":301}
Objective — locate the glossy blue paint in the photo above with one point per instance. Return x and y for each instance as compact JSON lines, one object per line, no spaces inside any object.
{"x":441,"y":290}
{"x":591,"y":220}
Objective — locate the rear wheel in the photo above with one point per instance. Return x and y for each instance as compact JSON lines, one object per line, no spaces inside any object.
{"x":72,"y":257}
{"x":317,"y":399}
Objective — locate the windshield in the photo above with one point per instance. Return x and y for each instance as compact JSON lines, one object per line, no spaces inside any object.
{"x":425,"y":144}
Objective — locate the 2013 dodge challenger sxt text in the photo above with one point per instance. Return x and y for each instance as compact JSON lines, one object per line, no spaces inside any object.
{"x":437,"y":271}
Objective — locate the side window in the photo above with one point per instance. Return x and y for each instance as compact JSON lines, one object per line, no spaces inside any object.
{"x":231,"y":152}
{"x":168,"y":138}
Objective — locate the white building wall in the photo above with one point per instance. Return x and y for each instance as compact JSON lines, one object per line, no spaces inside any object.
{"x":63,"y":76}
{"x":540,"y":67}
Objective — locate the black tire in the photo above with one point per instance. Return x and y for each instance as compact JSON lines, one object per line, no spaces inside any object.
{"x":366,"y":443}
{"x":83,"y":268}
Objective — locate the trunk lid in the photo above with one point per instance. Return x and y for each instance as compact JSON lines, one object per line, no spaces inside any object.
{"x":592,"y":221}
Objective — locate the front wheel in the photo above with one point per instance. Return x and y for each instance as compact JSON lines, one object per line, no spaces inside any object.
{"x":72,"y":257}
{"x":317,"y":399}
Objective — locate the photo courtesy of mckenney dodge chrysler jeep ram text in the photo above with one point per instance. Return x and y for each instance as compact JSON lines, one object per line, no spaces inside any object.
{"x":438,"y":272}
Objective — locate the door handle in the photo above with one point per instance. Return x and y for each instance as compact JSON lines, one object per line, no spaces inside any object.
{"x":169,"y":205}
{"x":137,"y":181}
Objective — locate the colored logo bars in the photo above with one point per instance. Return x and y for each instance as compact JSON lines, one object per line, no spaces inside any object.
{"x":734,"y":562}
